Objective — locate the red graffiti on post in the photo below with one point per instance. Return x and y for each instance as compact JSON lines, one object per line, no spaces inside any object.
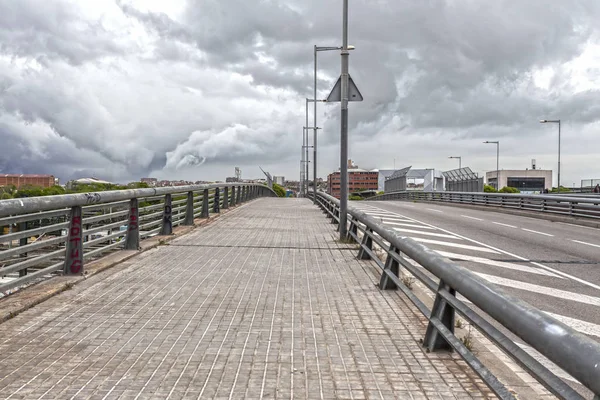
{"x":75,"y":245}
{"x":133,"y":222}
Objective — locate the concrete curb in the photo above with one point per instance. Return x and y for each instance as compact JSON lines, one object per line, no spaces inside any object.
{"x":34,"y":294}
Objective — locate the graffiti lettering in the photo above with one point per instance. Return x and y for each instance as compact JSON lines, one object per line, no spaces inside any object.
{"x":133,"y":223}
{"x":92,"y":198}
{"x":75,"y":252}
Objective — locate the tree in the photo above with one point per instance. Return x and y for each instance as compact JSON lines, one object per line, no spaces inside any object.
{"x":279,"y":190}
{"x":53,"y":190}
{"x":29,"y":191}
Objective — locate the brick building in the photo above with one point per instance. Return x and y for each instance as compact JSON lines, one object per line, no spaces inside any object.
{"x":357,"y":179}
{"x":20,"y":180}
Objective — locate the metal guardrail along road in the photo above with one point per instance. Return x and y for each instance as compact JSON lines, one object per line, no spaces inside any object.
{"x":58,"y":233}
{"x":572,"y":351}
{"x":572,"y":206}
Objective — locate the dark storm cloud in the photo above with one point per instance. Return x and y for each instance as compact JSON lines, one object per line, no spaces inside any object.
{"x":225,"y":81}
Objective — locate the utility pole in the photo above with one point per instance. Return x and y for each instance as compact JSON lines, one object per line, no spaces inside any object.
{"x":344,"y":126}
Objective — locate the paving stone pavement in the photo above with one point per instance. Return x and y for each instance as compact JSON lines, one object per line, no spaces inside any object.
{"x":263,"y":303}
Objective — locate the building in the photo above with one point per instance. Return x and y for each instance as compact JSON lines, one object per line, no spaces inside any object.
{"x":280,"y":180}
{"x":358,"y":179}
{"x":150,"y":181}
{"x":527,"y":181}
{"x":427,"y":180}
{"x":20,"y":180}
{"x":383,"y":174}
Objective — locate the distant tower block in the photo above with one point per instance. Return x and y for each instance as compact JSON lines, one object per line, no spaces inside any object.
{"x":533,"y":163}
{"x":238,"y":173}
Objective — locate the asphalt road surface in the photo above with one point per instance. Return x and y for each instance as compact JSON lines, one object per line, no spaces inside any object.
{"x":553,"y":266}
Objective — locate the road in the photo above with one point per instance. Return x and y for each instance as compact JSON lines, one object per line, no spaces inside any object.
{"x":553,"y":266}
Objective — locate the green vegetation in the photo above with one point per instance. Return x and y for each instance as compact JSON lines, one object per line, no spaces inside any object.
{"x":507,"y":189}
{"x":489,"y":189}
{"x":380,"y":192}
{"x":562,"y":190}
{"x":10,"y":191}
{"x":355,"y":198}
{"x":279,"y":190}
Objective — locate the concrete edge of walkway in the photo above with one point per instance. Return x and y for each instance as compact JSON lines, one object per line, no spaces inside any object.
{"x":531,"y":214}
{"x":36,"y":293}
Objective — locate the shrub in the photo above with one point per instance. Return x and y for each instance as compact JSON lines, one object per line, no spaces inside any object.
{"x":508,"y":189}
{"x":355,"y":198}
{"x":489,"y":189}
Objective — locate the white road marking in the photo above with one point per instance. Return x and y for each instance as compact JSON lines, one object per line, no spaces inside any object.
{"x":588,"y":244}
{"x":476,"y":219}
{"x":450,"y":244}
{"x":582,"y":281}
{"x":499,"y":223}
{"x":433,"y":209}
{"x":441,"y":235}
{"x":392,"y":222}
{"x":494,"y":263}
{"x":578,"y":226}
{"x":539,"y":233}
{"x":584,"y":327}
{"x":545,"y":362}
{"x":530,"y":287}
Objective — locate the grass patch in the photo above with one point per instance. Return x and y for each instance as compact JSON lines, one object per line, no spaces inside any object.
{"x":408,"y":281}
{"x":468,"y":341}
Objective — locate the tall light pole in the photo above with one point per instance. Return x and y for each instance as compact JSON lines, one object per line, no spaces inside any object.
{"x":316,"y":50}
{"x":497,"y":143}
{"x":459,"y":160}
{"x":344,"y":126}
{"x":555,"y":121}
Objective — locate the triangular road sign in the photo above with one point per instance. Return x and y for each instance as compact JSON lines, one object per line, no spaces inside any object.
{"x":336,"y":92}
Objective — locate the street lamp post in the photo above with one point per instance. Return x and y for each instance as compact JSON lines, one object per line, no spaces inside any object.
{"x":497,"y":143}
{"x":316,"y":50}
{"x":459,"y":160}
{"x":344,"y":126}
{"x":555,"y":121}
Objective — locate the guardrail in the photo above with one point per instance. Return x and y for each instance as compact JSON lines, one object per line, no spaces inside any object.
{"x":572,"y":351}
{"x":52,"y":234}
{"x":587,"y":206}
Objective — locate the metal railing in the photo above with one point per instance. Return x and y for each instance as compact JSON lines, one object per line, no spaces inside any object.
{"x":572,"y":351}
{"x":573,"y":206}
{"x":47,"y":235}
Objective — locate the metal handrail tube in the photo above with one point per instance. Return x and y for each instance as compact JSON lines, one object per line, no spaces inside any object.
{"x":105,"y":205}
{"x":31,"y":277}
{"x":33,"y":232}
{"x":31,"y":246}
{"x":103,"y":239}
{"x":47,"y":203}
{"x":30,"y":262}
{"x":572,"y":351}
{"x":33,"y":217}
{"x":91,"y":220}
{"x":104,"y":227}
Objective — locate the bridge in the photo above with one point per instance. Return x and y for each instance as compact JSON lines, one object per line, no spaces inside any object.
{"x":224,"y":291}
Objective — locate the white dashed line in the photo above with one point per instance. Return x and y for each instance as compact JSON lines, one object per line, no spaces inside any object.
{"x":392,"y":222}
{"x":476,"y":219}
{"x":441,"y":235}
{"x":553,"y":292}
{"x":584,"y":327}
{"x":433,"y":209}
{"x":450,"y":244}
{"x":539,"y":233}
{"x":508,"y":226}
{"x":587,"y":244}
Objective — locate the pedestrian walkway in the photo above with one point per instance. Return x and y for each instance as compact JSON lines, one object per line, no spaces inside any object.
{"x":263,"y":303}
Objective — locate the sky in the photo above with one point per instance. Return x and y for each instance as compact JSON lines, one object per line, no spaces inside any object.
{"x":191,"y":89}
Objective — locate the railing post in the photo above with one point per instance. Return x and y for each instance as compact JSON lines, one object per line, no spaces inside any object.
{"x":23,"y":242}
{"x":233,"y":193}
{"x":353,"y":229}
{"x":189,"y":210}
{"x":225,"y":197}
{"x":367,"y":242}
{"x":167,"y":222}
{"x":217,"y":201}
{"x":244,"y":193}
{"x":239,"y":195}
{"x":132,"y":238}
{"x":445,"y":314}
{"x":74,"y":251}
{"x":391,"y":265}
{"x":204,"y":213}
